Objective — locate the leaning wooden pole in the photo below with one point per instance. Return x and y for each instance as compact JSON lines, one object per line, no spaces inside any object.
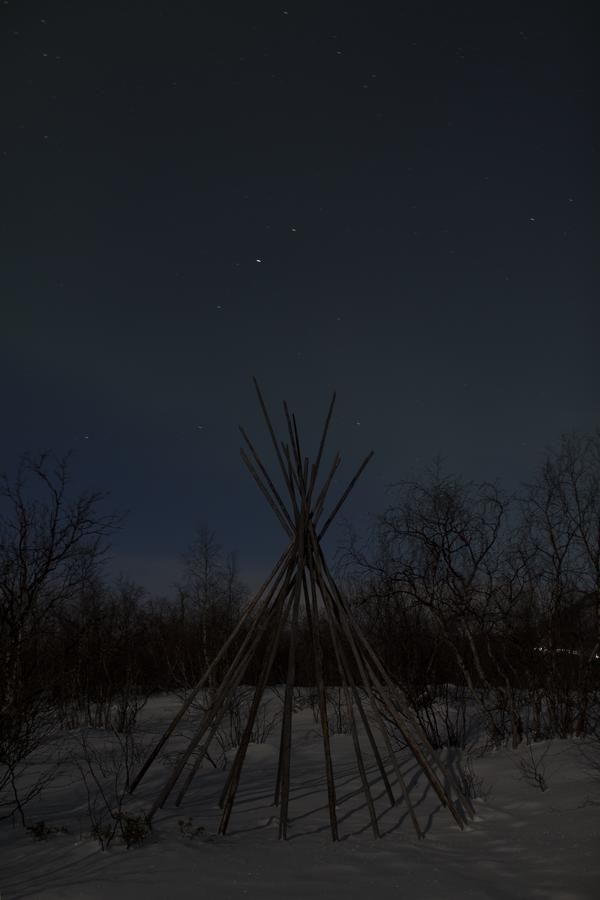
{"x":283,"y":765}
{"x":344,"y":496}
{"x":312,"y":614}
{"x":414,"y":737}
{"x":318,"y":507}
{"x":269,"y":498}
{"x":354,"y":731}
{"x":366,"y":680}
{"x":267,"y":477}
{"x":315,"y":469}
{"x":201,"y":754}
{"x":407,"y":728}
{"x":251,"y":641}
{"x":236,"y":769}
{"x":286,"y":728}
{"x":273,"y":438}
{"x":343,"y":661}
{"x":250,"y":609}
{"x":220,"y":712}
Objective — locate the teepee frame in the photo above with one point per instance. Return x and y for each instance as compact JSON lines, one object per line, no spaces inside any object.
{"x":301,"y":578}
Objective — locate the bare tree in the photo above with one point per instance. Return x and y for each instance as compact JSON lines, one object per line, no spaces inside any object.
{"x":50,"y":547}
{"x":560,"y":551}
{"x":435,"y":569}
{"x":210,"y":595}
{"x":511,"y":591}
{"x":106,"y":669}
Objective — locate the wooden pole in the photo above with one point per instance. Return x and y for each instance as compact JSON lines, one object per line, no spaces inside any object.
{"x":277,"y":611}
{"x":236,"y":769}
{"x":313,"y":620}
{"x":293,"y":435}
{"x":286,"y":730}
{"x":354,"y":731}
{"x":415,"y":746}
{"x":346,"y":626}
{"x":266,"y":476}
{"x":293,"y":479}
{"x":344,"y":496}
{"x":251,"y":641}
{"x":317,"y":463}
{"x":318,"y":507}
{"x":332,"y":616}
{"x":297,"y":441}
{"x":285,"y":740}
{"x":334,"y":624}
{"x":287,"y":528}
{"x":202,"y":753}
{"x":250,"y":609}
{"x":271,"y":431}
{"x":220,"y":712}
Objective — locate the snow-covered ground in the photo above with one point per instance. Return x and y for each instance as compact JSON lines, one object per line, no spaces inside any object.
{"x":524,"y":842}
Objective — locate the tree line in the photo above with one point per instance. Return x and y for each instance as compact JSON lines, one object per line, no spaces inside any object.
{"x":498,"y":595}
{"x":466,"y":593}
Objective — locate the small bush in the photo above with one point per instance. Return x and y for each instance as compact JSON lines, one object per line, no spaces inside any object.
{"x":188,"y":829}
{"x":532,"y":767}
{"x":106,"y":774}
{"x":133,"y":829}
{"x":471,"y":785}
{"x":41,"y":831}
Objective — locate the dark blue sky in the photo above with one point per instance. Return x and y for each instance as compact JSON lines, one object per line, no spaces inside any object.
{"x":395,"y":201}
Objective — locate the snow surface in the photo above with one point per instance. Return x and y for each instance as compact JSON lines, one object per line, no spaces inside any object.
{"x":524,"y":843}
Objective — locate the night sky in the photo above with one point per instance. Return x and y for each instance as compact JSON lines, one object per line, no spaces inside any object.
{"x":393,"y":200}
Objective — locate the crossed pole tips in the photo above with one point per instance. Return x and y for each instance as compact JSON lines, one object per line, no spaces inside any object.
{"x":302,"y":583}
